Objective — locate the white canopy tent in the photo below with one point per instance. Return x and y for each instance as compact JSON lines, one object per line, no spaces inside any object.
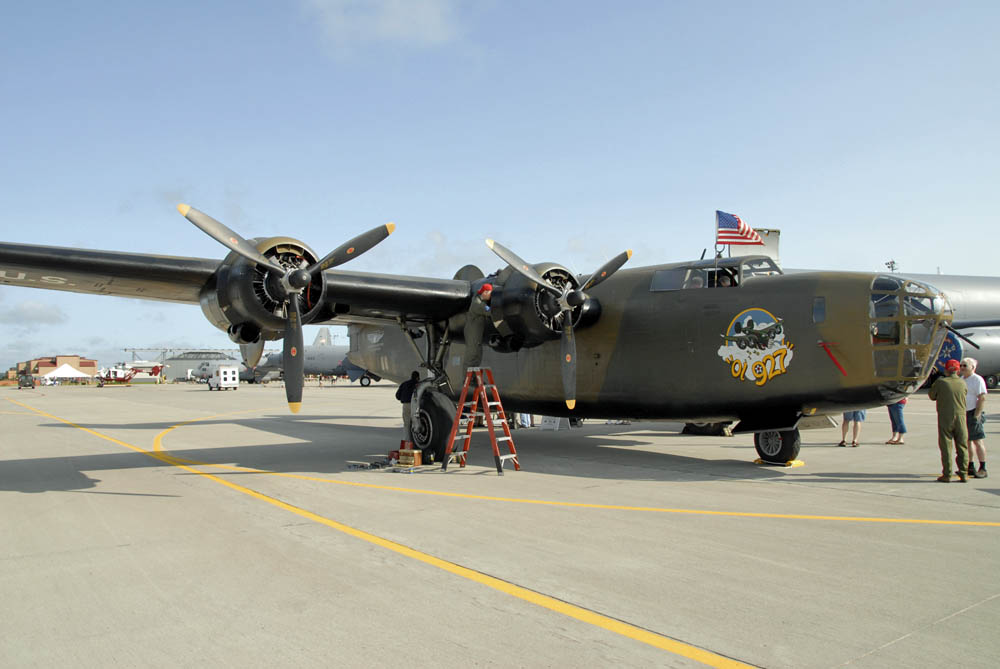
{"x":64,"y":371}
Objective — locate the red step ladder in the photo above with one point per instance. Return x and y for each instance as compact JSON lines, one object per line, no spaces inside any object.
{"x":483,"y":392}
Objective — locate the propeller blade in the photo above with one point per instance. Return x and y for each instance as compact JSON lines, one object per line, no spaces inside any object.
{"x":225,"y":236}
{"x":520,"y":266}
{"x":569,"y":360}
{"x":293,"y":357}
{"x":607,"y":269}
{"x":353,"y":248}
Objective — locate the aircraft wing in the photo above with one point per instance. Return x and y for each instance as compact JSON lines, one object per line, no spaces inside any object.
{"x":350,"y":296}
{"x":143,"y":276}
{"x":358,"y":297}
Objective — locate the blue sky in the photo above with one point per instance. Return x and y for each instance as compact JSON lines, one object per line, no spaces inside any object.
{"x":569,"y":131}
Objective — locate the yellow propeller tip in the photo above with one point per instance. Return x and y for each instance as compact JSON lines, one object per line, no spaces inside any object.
{"x":629,"y":252}
{"x":390,"y":227}
{"x":570,"y":404}
{"x":184,"y":209}
{"x":489,"y":242}
{"x":294,"y":406}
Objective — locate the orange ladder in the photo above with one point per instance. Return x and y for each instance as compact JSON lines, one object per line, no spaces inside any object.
{"x":471,"y":409}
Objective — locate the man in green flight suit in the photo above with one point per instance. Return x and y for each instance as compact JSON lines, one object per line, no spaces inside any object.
{"x":949,"y":393}
{"x":475,"y":326}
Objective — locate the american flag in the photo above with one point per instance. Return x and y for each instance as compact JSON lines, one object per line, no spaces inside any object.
{"x":730,"y":229}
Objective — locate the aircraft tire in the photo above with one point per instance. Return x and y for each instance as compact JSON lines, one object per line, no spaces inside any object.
{"x":775,"y":446}
{"x":991,"y":381}
{"x":365,"y":381}
{"x":432,"y":425}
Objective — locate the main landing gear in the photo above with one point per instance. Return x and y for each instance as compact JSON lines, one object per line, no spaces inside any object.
{"x":777,"y":446}
{"x":433,"y":411}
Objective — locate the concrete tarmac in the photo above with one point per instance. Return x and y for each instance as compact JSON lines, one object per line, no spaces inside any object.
{"x":165,"y":526}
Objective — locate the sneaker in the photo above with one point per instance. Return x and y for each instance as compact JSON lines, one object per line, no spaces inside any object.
{"x":944,"y":478}
{"x":982,"y":473}
{"x":972,"y":471}
{"x":962,"y":477}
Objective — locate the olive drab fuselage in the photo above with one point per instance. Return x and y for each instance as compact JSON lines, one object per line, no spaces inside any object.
{"x":769,"y":350}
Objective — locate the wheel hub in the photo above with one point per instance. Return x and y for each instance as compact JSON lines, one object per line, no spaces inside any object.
{"x":770,"y":443}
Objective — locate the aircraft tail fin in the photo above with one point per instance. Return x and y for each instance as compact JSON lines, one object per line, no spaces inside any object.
{"x":323,"y":338}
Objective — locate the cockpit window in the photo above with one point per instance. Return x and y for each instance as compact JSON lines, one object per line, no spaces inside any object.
{"x":759,"y":267}
{"x":712,"y":273}
{"x":681,"y":279}
{"x":668,"y":279}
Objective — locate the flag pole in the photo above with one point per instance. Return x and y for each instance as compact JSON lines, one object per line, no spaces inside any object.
{"x":717,"y":246}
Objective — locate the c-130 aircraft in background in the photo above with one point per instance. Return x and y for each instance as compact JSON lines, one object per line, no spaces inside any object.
{"x":633,"y":343}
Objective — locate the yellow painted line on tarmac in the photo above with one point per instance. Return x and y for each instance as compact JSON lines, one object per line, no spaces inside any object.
{"x":609,"y":507}
{"x":558,"y":606}
{"x":158,"y":447}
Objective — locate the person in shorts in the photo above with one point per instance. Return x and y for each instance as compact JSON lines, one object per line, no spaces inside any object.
{"x":856,"y":417}
{"x":975,"y":416}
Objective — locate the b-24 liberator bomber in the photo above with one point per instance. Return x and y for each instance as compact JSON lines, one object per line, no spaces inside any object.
{"x":617,"y":343}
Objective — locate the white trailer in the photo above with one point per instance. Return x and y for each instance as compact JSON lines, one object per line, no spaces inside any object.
{"x":224,"y":377}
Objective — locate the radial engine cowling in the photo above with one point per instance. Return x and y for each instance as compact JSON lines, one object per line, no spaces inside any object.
{"x":244,"y":300}
{"x":525,"y":315}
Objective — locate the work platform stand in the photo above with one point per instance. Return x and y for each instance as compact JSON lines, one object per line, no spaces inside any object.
{"x":471,"y":409}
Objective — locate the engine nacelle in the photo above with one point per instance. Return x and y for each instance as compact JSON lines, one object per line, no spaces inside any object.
{"x":246,"y":301}
{"x":525,"y":315}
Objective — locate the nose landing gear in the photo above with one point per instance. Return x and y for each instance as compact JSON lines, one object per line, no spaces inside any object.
{"x":777,"y":446}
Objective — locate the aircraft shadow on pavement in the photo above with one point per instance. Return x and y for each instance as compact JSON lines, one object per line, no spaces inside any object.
{"x":318,"y":447}
{"x":257,"y":422}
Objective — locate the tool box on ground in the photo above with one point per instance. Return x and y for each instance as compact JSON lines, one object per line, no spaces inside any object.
{"x":410,"y":456}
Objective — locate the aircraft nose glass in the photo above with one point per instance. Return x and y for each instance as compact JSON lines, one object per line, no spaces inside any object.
{"x":906,"y":333}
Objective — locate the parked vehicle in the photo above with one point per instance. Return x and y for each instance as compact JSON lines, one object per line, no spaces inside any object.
{"x":224,"y":377}
{"x":25,"y":381}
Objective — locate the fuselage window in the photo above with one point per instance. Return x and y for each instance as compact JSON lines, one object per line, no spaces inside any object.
{"x":819,"y":309}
